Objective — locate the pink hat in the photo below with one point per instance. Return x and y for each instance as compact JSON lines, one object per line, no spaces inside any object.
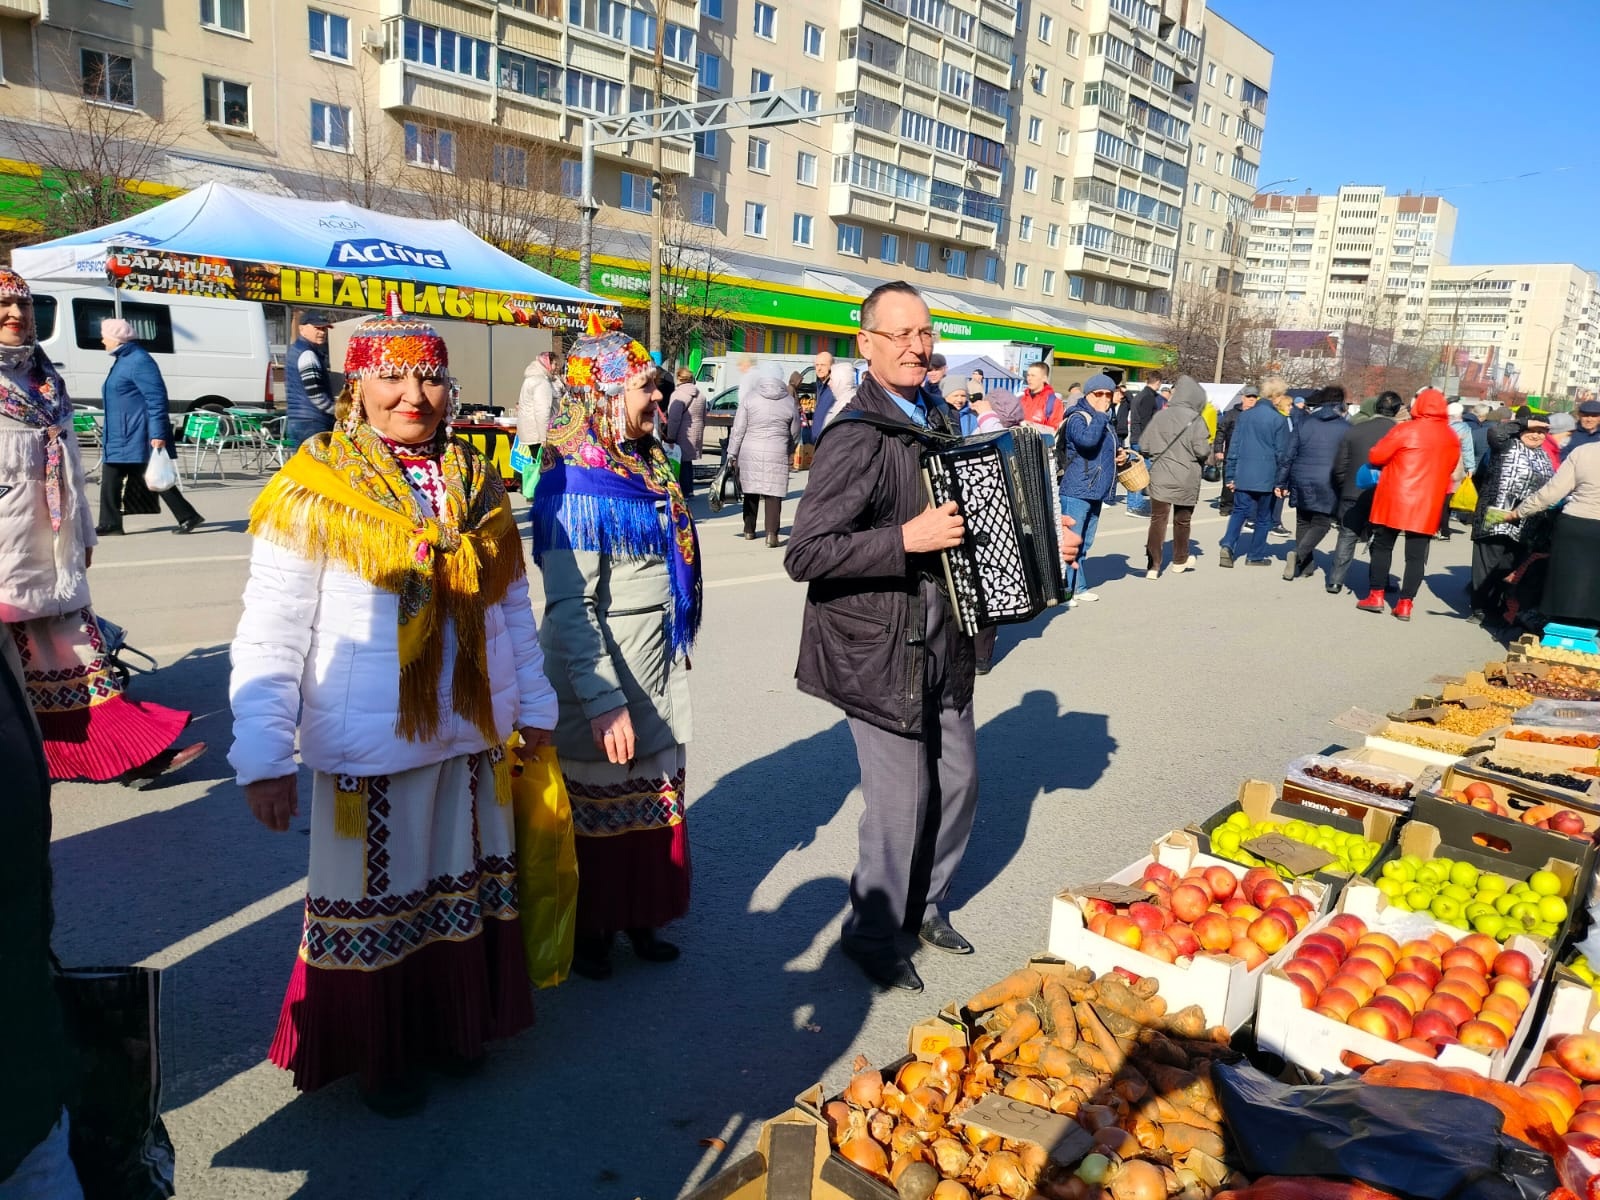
{"x":119,"y":329}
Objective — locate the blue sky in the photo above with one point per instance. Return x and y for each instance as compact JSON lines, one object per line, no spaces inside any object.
{"x":1431,"y":96}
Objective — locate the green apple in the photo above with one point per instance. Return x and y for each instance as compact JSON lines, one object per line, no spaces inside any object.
{"x":1527,"y":913}
{"x":1491,"y":884}
{"x":1490,"y":925}
{"x":1503,"y":904}
{"x":1446,"y":908}
{"x":1390,"y":887}
{"x":1464,"y":873}
{"x":1553,"y":909}
{"x":1419,"y":897}
{"x":1456,"y":892}
{"x":1397,"y":868}
{"x":1545,"y":883}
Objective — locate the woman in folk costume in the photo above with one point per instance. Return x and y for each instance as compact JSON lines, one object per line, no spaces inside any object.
{"x":388,"y":608}
{"x":621,"y":567}
{"x":91,"y":729}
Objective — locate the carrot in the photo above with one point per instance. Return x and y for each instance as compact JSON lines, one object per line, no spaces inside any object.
{"x":1092,"y":1057}
{"x":1187,"y":1022}
{"x":1059,"y":1064}
{"x":1179,"y":1088}
{"x":1018,"y":985}
{"x":1019,"y":1031}
{"x":1094,"y":1030}
{"x":1059,"y":1005}
{"x":1117,"y":997}
{"x":1179,"y":1139}
{"x":1155,"y":1046}
{"x":1130,"y":1085}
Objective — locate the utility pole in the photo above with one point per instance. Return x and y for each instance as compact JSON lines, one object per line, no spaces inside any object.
{"x":658,"y":203}
{"x":1229,"y":231}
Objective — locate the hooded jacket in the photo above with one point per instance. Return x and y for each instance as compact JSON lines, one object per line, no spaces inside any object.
{"x":1086,"y":449}
{"x":534,"y":402}
{"x":1313,"y":449}
{"x":1176,"y":445}
{"x":1258,"y":451}
{"x":686,"y":420}
{"x":1419,"y":459}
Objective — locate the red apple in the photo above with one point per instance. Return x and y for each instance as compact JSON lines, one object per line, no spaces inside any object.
{"x":1268,"y":892}
{"x":1354,"y":984}
{"x":1254,"y":878}
{"x":1399,"y":994}
{"x":1310,"y":968}
{"x":1098,"y":922}
{"x":1161,"y":874}
{"x":1184,"y":939}
{"x":1482,"y":945}
{"x":1469,"y":978}
{"x":1222,"y":882}
{"x":1373,"y":938}
{"x":1366,"y":969}
{"x":1302,"y":907}
{"x":1159,"y":946}
{"x":1124,"y":930}
{"x":1189,"y":903}
{"x":1337,"y":1005}
{"x":1500,"y":1021}
{"x":1460,"y":956}
{"x":1376,"y":1021}
{"x":1568,"y":822}
{"x":1238,"y":906}
{"x":1348,"y":928}
{"x":1441,"y":940}
{"x":1414,"y":986}
{"x":1580,"y":1055}
{"x":1560,"y":1081}
{"x":1092,"y":906}
{"x":1213,"y":931}
{"x":1148,"y":917}
{"x":1158,"y":892}
{"x":1309,"y":992}
{"x":1421,"y":948}
{"x":1426,"y":969}
{"x":1504,"y":1005}
{"x":1463,"y":993}
{"x":1248,"y":952}
{"x":1513,"y":990}
{"x":1376,"y":955}
{"x":1483,"y":1035}
{"x":1432,"y":1024}
{"x":1288,"y":916}
{"x":1591,"y":1096}
{"x":1318,"y":952}
{"x":1586,"y":1122}
{"x":1268,"y":933}
{"x":1450,"y":1006}
{"x":1516,"y":965}
{"x":1398,"y":1013}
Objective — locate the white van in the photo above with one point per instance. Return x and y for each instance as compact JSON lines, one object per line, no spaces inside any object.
{"x":212,"y":353}
{"x":721,"y":371}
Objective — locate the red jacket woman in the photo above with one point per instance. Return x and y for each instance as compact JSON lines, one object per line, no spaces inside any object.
{"x":1418,"y":458}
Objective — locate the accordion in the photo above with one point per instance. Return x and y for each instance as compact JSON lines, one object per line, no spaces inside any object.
{"x":1008,"y":566}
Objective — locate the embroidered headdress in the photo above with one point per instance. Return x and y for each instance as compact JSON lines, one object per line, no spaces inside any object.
{"x":389,"y":346}
{"x":13,"y":286}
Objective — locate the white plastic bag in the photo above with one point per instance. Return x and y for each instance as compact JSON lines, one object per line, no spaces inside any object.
{"x":160,"y":474}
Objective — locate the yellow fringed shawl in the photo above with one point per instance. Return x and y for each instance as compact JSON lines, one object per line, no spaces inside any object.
{"x":344,"y":498}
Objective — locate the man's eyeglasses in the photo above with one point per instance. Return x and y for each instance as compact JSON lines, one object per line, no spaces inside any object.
{"x":904,"y":337}
{"x":1100,"y":392}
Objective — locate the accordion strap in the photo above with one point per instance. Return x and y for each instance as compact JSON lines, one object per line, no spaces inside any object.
{"x":932,"y":439}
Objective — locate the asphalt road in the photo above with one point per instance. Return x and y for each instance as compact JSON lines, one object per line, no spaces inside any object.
{"x":1100,"y":729}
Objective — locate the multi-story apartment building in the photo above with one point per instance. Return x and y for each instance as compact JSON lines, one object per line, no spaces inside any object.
{"x":1528,"y":327}
{"x":1360,"y":256}
{"x":1030,"y":168}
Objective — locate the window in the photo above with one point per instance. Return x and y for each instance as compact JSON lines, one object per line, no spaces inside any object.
{"x":802,"y":229}
{"x":849,"y":241}
{"x":955,"y":81}
{"x":529,"y":76}
{"x":709,"y":67}
{"x":810,"y":99}
{"x":755,"y":219}
{"x":330,"y":35}
{"x":1040,"y":80}
{"x":889,"y":247}
{"x":757,"y":155}
{"x":641,"y":30}
{"x":635,"y":194}
{"x":571,"y":179}
{"x":1047,"y":27}
{"x":766,"y":21}
{"x":1188,"y":272}
{"x":1211,"y":74}
{"x":1210,"y":238}
{"x":703,"y":208}
{"x":915,"y":127}
{"x":1030,"y":179}
{"x":1227,"y":85}
{"x":330,"y":126}
{"x":1025,"y":229}
{"x":1047,"y":282}
{"x":589,"y":93}
{"x":226,"y":103}
{"x":510,"y":166}
{"x":760,"y":82}
{"x":1058,"y":189}
{"x":921,"y":255}
{"x":446,"y":50}
{"x":1063,"y":141}
{"x":1216,"y":199}
{"x":955,"y":263}
{"x":430,"y":147}
{"x":1205,"y":276}
{"x":151,"y":322}
{"x":1200,"y":154}
{"x":1052,"y":236}
{"x":1019,"y":275}
{"x":712,"y":9}
{"x":805,"y":168}
{"x":1205,"y":114}
{"x":677,"y":43}
{"x":1066,"y":92}
{"x":1072,"y":42}
{"x":705,"y":144}
{"x":1188,"y":234}
{"x":1035,"y":130}
{"x":811,"y":40}
{"x":991,"y":269}
{"x":226,"y":15}
{"x":1223,"y":125}
{"x":106,"y":77}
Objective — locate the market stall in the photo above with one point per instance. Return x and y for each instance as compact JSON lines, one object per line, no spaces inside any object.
{"x":1366,"y":980}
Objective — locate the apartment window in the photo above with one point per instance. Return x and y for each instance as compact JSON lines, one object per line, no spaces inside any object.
{"x":1052,"y":237}
{"x":1058,"y":189}
{"x":921,"y":255}
{"x":1205,"y":114}
{"x":1040,"y":80}
{"x":849,"y":240}
{"x":766,"y":21}
{"x":107,"y":78}
{"x":1211,"y":235}
{"x":712,"y":9}
{"x":1188,"y":272}
{"x":571,"y":179}
{"x":1211,"y":74}
{"x":1047,"y":282}
{"x":1227,"y":85}
{"x":991,"y":269}
{"x":810,"y":99}
{"x":1216,"y":199}
{"x":1063,"y":141}
{"x":635,"y":192}
{"x":1066,"y":92}
{"x":955,"y":81}
{"x":755,"y":219}
{"x":1047,"y":27}
{"x":1200,"y":154}
{"x":811,"y":40}
{"x":640,"y":98}
{"x":1025,"y":229}
{"x":330,"y":126}
{"x":1072,"y":42}
{"x":226,"y":15}
{"x":1205,"y":276}
{"x":703,"y":208}
{"x":510,"y":166}
{"x":1019,"y":275}
{"x":802,"y":229}
{"x":1030,"y":179}
{"x":330,"y":35}
{"x":529,"y":76}
{"x":446,"y":50}
{"x":430,"y":147}
{"x":705,"y":144}
{"x":1199,"y":192}
{"x":677,"y":43}
{"x":757,"y":155}
{"x":1223,"y":125}
{"x":1188,"y":234}
{"x":760,"y":82}
{"x":889,"y":247}
{"x":709,"y":67}
{"x":641,"y":30}
{"x":226,"y":103}
{"x":1035,"y":130}
{"x":805,"y":168}
{"x":955,"y":263}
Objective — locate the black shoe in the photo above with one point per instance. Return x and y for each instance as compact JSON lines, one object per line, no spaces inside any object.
{"x":886,"y":967}
{"x":190,"y":525}
{"x":937,"y":932}
{"x":1333,"y":590}
{"x":400,"y":1098}
{"x":171,"y":759}
{"x":1225,"y":557}
{"x":103,"y":532}
{"x":1280,"y":531}
{"x":650,"y":948}
{"x":1258,"y":562}
{"x":591,"y":956}
{"x":772,"y":541}
{"x":983,"y":666}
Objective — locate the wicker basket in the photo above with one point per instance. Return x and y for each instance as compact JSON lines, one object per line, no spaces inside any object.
{"x":1135,"y":476}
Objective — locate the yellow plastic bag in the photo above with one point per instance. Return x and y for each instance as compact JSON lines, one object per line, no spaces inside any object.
{"x":547,"y":866}
{"x":1466,"y":497}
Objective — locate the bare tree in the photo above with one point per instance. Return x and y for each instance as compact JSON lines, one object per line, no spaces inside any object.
{"x":1193,"y":325}
{"x":370,"y":174}
{"x":694,"y":301}
{"x":95,"y":150}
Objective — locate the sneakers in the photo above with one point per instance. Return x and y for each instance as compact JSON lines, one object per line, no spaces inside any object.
{"x":1086,"y":597}
{"x":1402,"y":610}
{"x":1179,"y":568}
{"x":1152,"y":573}
{"x":1072,"y":602}
{"x":1373,"y":603}
{"x":1225,"y":557}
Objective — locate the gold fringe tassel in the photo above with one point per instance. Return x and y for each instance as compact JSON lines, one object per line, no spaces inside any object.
{"x":502,"y":777}
{"x":350,"y":809}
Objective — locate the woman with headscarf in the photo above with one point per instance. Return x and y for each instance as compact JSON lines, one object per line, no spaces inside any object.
{"x":1176,"y":444}
{"x":1572,"y":584}
{"x":91,"y":729}
{"x":387,"y":616}
{"x":766,"y":429}
{"x":137,"y":423}
{"x":621,"y":564}
{"x":1519,"y":470}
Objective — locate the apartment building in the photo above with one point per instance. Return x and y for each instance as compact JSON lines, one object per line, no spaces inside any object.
{"x":1029,"y":167}
{"x":1360,"y":256}
{"x":1528,"y":327}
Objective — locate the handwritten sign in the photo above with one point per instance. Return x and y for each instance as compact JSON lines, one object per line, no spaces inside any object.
{"x":1298,"y":857}
{"x":1060,"y":1137}
{"x":1113,"y":893}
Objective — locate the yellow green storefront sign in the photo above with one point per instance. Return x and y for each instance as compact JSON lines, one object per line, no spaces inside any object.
{"x":754,"y":302}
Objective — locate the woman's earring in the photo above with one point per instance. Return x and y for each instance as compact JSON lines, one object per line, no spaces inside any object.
{"x":354,"y":417}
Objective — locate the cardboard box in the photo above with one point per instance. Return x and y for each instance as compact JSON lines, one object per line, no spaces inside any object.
{"x":1513,"y":799}
{"x":1506,"y":746}
{"x":1377,"y":733}
{"x":792,"y":1161}
{"x":1520,"y":673}
{"x":1530,"y":646}
{"x":1315,"y":1043}
{"x":1260,"y":801}
{"x":1572,"y":1006}
{"x":1484,"y":766}
{"x":1223,"y":987}
{"x":1302,"y":786}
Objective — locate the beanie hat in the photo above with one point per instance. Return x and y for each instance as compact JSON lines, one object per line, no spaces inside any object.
{"x":119,"y":328}
{"x":1007,"y":406}
{"x":1454,"y":409}
{"x":1562,"y":422}
{"x":13,"y":286}
{"x":395,"y":344}
{"x":1099,"y":383}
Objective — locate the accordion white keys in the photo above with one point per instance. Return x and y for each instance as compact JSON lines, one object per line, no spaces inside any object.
{"x":1008,"y":567}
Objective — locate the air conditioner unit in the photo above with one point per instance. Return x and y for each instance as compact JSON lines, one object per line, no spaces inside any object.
{"x":944,"y":253}
{"x":372,"y":38}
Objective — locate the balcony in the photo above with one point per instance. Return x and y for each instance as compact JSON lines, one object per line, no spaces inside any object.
{"x":27,"y":10}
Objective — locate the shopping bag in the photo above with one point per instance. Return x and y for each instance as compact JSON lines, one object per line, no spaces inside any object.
{"x":119,"y":1144}
{"x":727,"y":473}
{"x":138,"y":500}
{"x":674,"y":458}
{"x":547,"y":866}
{"x":1466,"y":497}
{"x":160,"y":475}
{"x":1367,"y":476}
{"x":804,"y":453}
{"x":529,"y":468}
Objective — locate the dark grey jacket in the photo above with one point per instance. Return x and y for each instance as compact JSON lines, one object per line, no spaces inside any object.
{"x":862,"y":639}
{"x":1352,"y":454}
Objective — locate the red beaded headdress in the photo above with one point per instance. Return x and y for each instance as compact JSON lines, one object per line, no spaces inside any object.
{"x":395,"y":344}
{"x":13,"y":286}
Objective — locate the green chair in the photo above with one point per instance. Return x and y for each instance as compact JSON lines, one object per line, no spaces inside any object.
{"x":91,"y":436}
{"x":207,"y":433}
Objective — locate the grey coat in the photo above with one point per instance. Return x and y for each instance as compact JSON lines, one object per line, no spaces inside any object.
{"x":1176,"y":444}
{"x":607,"y":643}
{"x":766,"y":430}
{"x":686,"y":420}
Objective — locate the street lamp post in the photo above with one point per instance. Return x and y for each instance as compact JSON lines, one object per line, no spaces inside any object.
{"x":1230,"y":232}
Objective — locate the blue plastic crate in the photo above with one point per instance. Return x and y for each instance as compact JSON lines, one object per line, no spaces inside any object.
{"x":1571,"y":637}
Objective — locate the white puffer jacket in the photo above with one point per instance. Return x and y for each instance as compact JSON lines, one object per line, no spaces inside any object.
{"x":318,"y":647}
{"x":42,"y":572}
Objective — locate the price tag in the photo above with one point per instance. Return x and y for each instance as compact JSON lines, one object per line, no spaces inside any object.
{"x":1358,"y":720}
{"x":1113,"y":893}
{"x":1062,"y":1138}
{"x":1300,"y":858}
{"x":1431,"y":713}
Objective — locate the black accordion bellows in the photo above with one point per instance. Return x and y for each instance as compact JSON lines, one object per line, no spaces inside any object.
{"x":1008,"y":567}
